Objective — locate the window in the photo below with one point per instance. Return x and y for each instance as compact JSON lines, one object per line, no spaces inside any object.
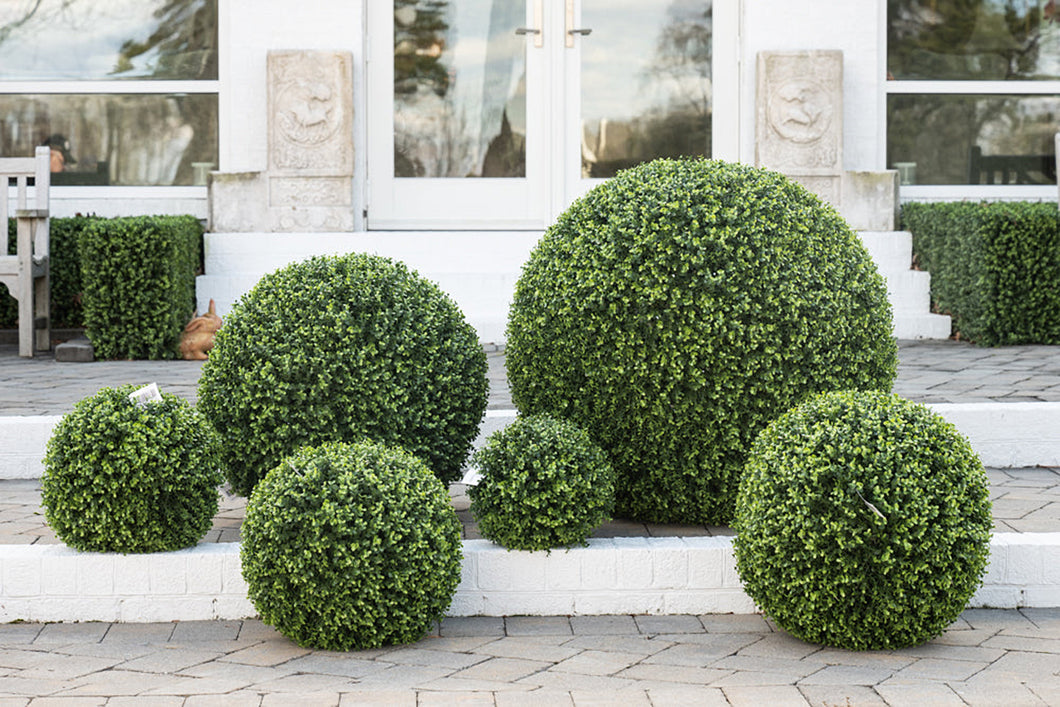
{"x":972,"y":91}
{"x":124,"y":91}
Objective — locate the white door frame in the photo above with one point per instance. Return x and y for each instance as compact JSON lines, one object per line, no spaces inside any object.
{"x":553,"y":140}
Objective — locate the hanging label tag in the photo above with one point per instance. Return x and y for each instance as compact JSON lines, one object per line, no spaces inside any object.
{"x":145,"y":395}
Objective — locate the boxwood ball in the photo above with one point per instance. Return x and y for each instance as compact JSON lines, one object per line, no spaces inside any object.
{"x":863,"y":522}
{"x":351,"y":546}
{"x":681,"y":306}
{"x":544,"y":484}
{"x":124,"y":477}
{"x":338,"y":349}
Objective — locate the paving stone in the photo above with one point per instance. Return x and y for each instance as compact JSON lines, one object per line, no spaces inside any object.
{"x":537,"y":626}
{"x":310,"y":699}
{"x":599,"y":662}
{"x":987,"y":690}
{"x":777,"y":696}
{"x":647,"y":645}
{"x":139,"y":633}
{"x":521,"y":647}
{"x":941,"y":669}
{"x":780,"y":645}
{"x":147,"y":701}
{"x":67,"y":701}
{"x":938,"y":695}
{"x":57,"y":634}
{"x":573,"y":681}
{"x":199,"y":631}
{"x":391,"y":698}
{"x":534,"y":698}
{"x":439,"y":659}
{"x":171,"y":660}
{"x":679,"y":623}
{"x":475,"y":699}
{"x":502,"y":669}
{"x":702,"y":654}
{"x":1024,"y":643}
{"x":1025,"y":666}
{"x":687,"y":696}
{"x":674,"y":673}
{"x":602,"y":625}
{"x":847,"y":675}
{"x":734,"y":623}
{"x":301,"y":684}
{"x":760,"y":664}
{"x":975,"y":654}
{"x":841,"y":696}
{"x":398,"y":676}
{"x":589,"y":698}
{"x":266,"y":654}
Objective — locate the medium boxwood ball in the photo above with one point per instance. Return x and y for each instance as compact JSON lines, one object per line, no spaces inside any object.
{"x":544,"y":484}
{"x":681,"y":306}
{"x":863,"y":522}
{"x":350,"y":546}
{"x":124,"y":477}
{"x":341,"y":348}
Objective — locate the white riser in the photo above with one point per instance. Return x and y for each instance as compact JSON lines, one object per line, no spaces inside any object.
{"x":611,"y":576}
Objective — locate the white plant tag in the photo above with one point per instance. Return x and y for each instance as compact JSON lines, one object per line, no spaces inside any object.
{"x":145,"y":395}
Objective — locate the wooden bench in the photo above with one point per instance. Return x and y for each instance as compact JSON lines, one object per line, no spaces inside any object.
{"x":26,"y":272}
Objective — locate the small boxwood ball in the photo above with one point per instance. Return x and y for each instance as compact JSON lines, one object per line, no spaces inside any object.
{"x":863,"y":522}
{"x":351,"y":546}
{"x":125,"y":477}
{"x":544,"y":484}
{"x":681,"y":306}
{"x":337,"y":349}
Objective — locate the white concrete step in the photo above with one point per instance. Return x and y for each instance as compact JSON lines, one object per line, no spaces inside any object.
{"x":692,"y":575}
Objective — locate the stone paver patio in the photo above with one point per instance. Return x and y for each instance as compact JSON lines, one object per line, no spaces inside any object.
{"x":988,"y":657}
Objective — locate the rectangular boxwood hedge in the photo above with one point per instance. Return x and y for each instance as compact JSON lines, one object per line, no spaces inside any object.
{"x":995,"y":267}
{"x":138,"y":279}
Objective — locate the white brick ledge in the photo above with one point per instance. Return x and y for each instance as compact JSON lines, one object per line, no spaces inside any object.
{"x":610,"y":576}
{"x":1003,"y":434}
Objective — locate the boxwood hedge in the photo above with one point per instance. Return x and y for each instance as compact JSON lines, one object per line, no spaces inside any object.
{"x":338,"y":349}
{"x":123,"y":477}
{"x":351,"y":546}
{"x":677,"y":309}
{"x":863,"y":521}
{"x":995,"y":267}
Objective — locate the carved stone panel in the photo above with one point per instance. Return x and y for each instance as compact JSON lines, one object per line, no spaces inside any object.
{"x":799,"y":126}
{"x":310,"y":113}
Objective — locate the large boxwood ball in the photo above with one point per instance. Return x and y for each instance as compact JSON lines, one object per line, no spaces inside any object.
{"x":125,"y":477}
{"x":863,"y":522}
{"x":350,"y":546}
{"x":544,"y":484}
{"x":681,"y":306}
{"x":338,"y":349}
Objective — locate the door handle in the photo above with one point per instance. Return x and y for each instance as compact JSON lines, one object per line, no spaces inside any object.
{"x":571,"y":30}
{"x":539,"y":37}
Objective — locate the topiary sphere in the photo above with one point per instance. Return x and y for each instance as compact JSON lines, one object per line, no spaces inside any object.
{"x":341,"y":348}
{"x":863,"y":522}
{"x":351,"y":546}
{"x":124,"y":477}
{"x":544,"y":485}
{"x":681,"y":306}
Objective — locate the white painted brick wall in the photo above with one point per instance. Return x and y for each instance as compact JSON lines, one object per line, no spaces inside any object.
{"x":23,"y":441}
{"x":610,"y":576}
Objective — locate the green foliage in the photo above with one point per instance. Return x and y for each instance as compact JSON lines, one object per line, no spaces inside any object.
{"x":341,"y":348}
{"x":863,"y":522}
{"x":544,"y":485}
{"x":351,"y":546}
{"x":138,"y":276}
{"x":65,"y":275}
{"x":995,"y":267}
{"x":121,"y":477}
{"x":677,"y":309}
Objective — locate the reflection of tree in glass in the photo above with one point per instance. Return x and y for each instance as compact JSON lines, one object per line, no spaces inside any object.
{"x":678,"y":123}
{"x":420,"y":32}
{"x":33,"y":9}
{"x":967,"y":39}
{"x":183,"y":43}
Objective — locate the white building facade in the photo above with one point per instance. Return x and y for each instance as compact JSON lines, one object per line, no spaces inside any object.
{"x":472,"y":123}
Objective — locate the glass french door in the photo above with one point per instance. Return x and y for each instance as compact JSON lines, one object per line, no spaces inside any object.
{"x":496,"y":114}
